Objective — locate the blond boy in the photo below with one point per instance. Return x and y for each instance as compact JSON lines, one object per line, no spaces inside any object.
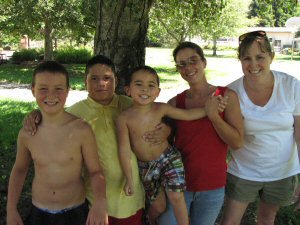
{"x":63,"y":145}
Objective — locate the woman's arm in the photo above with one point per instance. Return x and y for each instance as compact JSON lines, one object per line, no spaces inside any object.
{"x":297,"y":133}
{"x":231,"y":129}
{"x":297,"y":139}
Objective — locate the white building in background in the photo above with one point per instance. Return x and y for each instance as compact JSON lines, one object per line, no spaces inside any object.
{"x":280,"y":37}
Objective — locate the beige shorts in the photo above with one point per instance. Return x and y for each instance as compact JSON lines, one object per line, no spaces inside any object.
{"x":280,"y":192}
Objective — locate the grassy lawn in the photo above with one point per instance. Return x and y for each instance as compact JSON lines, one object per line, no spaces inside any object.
{"x":13,"y":112}
{"x":11,"y":117}
{"x":22,"y":74}
{"x":159,"y":58}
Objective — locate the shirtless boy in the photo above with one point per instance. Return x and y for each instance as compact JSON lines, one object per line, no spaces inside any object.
{"x":63,"y":145}
{"x":159,"y":165}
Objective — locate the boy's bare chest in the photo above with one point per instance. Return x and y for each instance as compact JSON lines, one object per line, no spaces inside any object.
{"x":57,"y":148}
{"x":142,"y":122}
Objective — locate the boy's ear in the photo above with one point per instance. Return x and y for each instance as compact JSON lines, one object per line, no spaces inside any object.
{"x":85,"y":82}
{"x":32,"y":91}
{"x":127,"y":90}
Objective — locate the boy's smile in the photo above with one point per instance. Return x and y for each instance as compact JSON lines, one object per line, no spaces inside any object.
{"x":50,"y":91}
{"x":143,"y":87}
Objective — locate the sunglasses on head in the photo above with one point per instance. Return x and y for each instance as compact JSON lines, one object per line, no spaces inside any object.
{"x":257,"y":33}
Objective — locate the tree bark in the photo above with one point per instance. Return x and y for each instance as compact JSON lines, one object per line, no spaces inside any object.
{"x":214,"y":46}
{"x":121,"y":31}
{"x":48,"y":41}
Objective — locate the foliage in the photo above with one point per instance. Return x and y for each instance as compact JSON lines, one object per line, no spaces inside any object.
{"x":229,"y":22}
{"x":272,"y":13}
{"x":49,"y":18}
{"x":26,"y":55}
{"x":180,"y":19}
{"x":70,"y":55}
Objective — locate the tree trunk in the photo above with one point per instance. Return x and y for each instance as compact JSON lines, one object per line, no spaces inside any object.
{"x":48,"y":41}
{"x":214,"y":46}
{"x":121,"y":31}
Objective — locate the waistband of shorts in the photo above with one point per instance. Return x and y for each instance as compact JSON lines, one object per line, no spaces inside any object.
{"x":58,"y":211}
{"x":167,"y":151}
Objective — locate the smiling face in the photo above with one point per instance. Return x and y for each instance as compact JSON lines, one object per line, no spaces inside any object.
{"x":101,"y":83}
{"x":190,"y":65}
{"x":143,"y":87}
{"x":51,"y":91}
{"x":256,"y":62}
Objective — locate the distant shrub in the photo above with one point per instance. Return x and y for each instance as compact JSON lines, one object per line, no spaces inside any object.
{"x":70,"y":55}
{"x":25,"y":55}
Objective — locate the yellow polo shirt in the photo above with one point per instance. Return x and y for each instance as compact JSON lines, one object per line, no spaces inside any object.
{"x":102,"y":120}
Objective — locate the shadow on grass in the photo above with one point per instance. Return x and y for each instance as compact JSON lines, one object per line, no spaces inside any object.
{"x":11,"y":117}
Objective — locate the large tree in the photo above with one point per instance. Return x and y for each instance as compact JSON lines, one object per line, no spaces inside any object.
{"x":121,"y":31}
{"x":122,"y":28}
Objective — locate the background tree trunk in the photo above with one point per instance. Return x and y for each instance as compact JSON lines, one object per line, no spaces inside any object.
{"x":214,"y":46}
{"x":48,"y":55}
{"x":121,"y":31}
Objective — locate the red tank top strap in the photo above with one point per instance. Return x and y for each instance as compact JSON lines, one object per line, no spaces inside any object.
{"x":220,"y":91}
{"x":180,"y":100}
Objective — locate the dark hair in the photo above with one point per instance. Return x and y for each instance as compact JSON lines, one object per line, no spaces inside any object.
{"x":248,"y":40}
{"x":99,"y":59}
{"x":50,"y":66}
{"x":145,"y":68}
{"x":188,"y":44}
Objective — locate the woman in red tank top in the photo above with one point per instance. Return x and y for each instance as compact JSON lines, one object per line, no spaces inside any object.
{"x":203,"y":143}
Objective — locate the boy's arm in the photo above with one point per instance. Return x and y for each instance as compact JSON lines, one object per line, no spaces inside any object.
{"x":98,"y":211}
{"x":125,"y":153}
{"x":183,"y":114}
{"x":231,"y":128}
{"x":32,"y":121}
{"x":16,"y":180}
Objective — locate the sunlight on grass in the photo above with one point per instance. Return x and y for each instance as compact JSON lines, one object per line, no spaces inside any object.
{"x":160,"y":59}
{"x":11,"y":117}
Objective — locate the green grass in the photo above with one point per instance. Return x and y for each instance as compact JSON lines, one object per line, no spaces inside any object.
{"x":21,"y":74}
{"x":13,"y":112}
{"x":11,"y":117}
{"x":286,"y":57}
{"x":169,"y":77}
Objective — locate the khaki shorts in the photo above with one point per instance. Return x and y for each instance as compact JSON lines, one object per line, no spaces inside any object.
{"x":280,"y":192}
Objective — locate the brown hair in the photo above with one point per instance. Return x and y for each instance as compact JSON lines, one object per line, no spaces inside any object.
{"x":248,"y":40}
{"x":53,"y":67}
{"x":187,"y":44}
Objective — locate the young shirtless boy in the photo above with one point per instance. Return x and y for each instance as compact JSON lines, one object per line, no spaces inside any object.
{"x":159,"y":165}
{"x":63,"y":145}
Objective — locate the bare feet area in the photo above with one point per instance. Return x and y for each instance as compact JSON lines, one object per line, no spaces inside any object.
{"x":232,"y":68}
